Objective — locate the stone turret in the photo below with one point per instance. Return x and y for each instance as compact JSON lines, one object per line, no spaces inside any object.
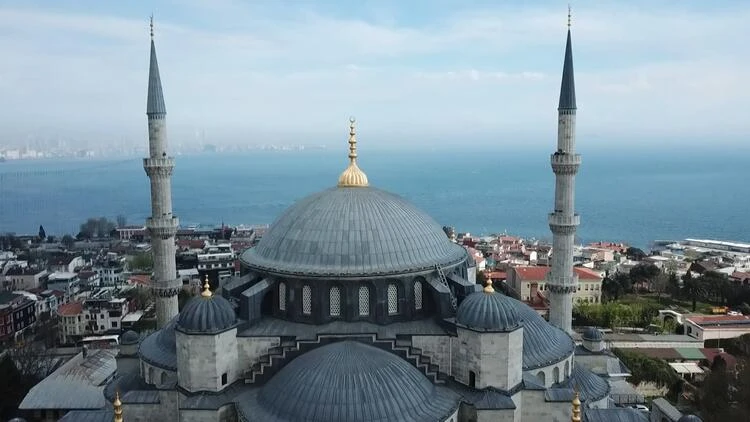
{"x":562,"y":281}
{"x":162,"y":225}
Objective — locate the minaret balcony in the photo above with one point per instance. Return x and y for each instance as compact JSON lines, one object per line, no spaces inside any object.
{"x":158,"y":166}
{"x":563,"y":163}
{"x":162,"y":227}
{"x":557,"y":220}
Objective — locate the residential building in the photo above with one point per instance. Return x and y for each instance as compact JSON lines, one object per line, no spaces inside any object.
{"x":72,"y":326}
{"x":128,"y":232}
{"x":89,"y":278}
{"x":18,"y":313}
{"x":111,"y":271}
{"x":216,"y":261}
{"x":66,"y":282}
{"x":716,"y":327}
{"x":65,"y":263}
{"x":103,"y":314}
{"x":526,"y":281}
{"x":24,"y":278}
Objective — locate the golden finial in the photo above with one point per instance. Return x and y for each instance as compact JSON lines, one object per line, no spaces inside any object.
{"x":151,"y":25}
{"x":118,"y":407}
{"x":352,"y":176}
{"x":568,"y":15}
{"x":576,"y":409}
{"x":488,"y":285}
{"x":206,"y":288}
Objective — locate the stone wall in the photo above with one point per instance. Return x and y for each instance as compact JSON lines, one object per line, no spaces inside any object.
{"x":207,"y":362}
{"x":250,"y":349}
{"x":166,"y":410}
{"x":533,"y":407}
{"x":437,"y":348}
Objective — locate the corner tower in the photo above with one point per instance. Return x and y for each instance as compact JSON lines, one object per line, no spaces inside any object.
{"x":562,"y":281}
{"x":162,"y":225}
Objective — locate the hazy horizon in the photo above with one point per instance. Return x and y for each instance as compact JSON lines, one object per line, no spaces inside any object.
{"x":424,"y":74}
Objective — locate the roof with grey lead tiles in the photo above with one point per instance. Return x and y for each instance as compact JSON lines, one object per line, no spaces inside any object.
{"x":155,"y":100}
{"x":348,"y":381}
{"x":623,"y":414}
{"x":78,"y":384}
{"x":590,"y":386}
{"x":489,"y":312}
{"x":353,"y":232}
{"x":105,"y":415}
{"x":543,"y":343}
{"x":568,"y":84}
{"x":160,"y":347}
{"x":269,"y":326}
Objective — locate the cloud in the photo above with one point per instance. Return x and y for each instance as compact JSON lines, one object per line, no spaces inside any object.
{"x":262,"y":71}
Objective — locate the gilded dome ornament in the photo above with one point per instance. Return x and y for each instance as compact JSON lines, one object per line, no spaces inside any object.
{"x":352,"y":176}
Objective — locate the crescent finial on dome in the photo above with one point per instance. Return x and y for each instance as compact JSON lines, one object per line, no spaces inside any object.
{"x":353,"y":176}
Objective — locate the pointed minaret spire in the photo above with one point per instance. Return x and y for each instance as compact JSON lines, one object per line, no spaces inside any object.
{"x":562,"y":282}
{"x":162,"y":225}
{"x":568,"y":85}
{"x":155,"y":101}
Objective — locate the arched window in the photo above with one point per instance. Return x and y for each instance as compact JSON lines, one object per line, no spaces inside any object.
{"x":556,"y":374}
{"x":418,"y":295}
{"x":282,"y":296}
{"x":392,"y":299}
{"x":541,"y":377}
{"x":306,"y":300}
{"x":163,"y":377}
{"x":364,"y":301}
{"x":335,"y":301}
{"x":567,"y":369}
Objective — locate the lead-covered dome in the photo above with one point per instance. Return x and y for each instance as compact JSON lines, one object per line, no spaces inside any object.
{"x":348,"y":381}
{"x":489,"y":311}
{"x":592,"y":334}
{"x":206,"y":314}
{"x":160,"y":347}
{"x":543,"y":343}
{"x":352,"y":231}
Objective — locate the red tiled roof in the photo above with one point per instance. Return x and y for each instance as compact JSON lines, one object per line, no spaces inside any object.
{"x":703,"y":319}
{"x":536,"y":273}
{"x":711,"y":354}
{"x":496,"y":275}
{"x":70,"y":309}
{"x":144,"y":280}
{"x":739,"y":275}
{"x":657,"y":352}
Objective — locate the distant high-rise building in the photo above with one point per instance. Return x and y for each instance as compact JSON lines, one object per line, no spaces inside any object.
{"x":562,"y":282}
{"x":162,"y":225}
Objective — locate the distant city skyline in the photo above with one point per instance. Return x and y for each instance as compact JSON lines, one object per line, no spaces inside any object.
{"x":428,"y":73}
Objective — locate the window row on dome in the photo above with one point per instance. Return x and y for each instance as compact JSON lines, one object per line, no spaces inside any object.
{"x":363,"y":299}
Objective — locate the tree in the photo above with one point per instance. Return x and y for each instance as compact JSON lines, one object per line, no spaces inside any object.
{"x":122,"y":221}
{"x":714,"y":397}
{"x":611,"y":288}
{"x":644,"y":272}
{"x":42,"y":233}
{"x":143,"y":261}
{"x":673,"y":284}
{"x":635,"y":254}
{"x":96,"y":227}
{"x":68,"y":242}
{"x":692,"y":288}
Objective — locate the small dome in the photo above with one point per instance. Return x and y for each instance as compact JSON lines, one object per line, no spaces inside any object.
{"x":543,"y":343}
{"x":592,"y":334}
{"x":489,"y":311}
{"x":689,"y":418}
{"x":206,"y":314}
{"x":349,"y":381}
{"x":129,"y":337}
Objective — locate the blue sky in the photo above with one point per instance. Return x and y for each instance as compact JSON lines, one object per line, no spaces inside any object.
{"x":414,"y":72}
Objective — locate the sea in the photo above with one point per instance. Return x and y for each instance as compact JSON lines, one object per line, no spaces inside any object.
{"x":630,"y":195}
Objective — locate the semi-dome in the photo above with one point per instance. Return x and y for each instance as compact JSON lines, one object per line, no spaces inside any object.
{"x":353,"y":231}
{"x":592,"y":334}
{"x":689,"y":418}
{"x":489,"y":311}
{"x":543,"y":343}
{"x":591,"y":387}
{"x":160,"y":347}
{"x":348,"y":381}
{"x":206,"y":314}
{"x":129,"y":337}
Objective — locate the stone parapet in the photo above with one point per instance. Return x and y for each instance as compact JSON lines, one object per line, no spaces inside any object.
{"x":162,"y":227}
{"x":158,"y":166}
{"x":565,"y":163}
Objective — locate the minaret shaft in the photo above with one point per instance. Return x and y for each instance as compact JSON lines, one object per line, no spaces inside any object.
{"x":562,"y":281}
{"x":162,"y":225}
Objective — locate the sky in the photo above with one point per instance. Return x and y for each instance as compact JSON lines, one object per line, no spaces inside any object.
{"x":415,"y":73}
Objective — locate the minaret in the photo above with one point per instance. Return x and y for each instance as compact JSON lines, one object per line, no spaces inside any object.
{"x":162,"y":225}
{"x":562,"y":281}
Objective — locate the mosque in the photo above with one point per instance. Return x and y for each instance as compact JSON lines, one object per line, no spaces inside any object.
{"x":355,"y":306}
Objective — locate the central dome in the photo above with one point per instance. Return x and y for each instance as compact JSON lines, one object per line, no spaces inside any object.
{"x":353,"y":231}
{"x":349,"y":381}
